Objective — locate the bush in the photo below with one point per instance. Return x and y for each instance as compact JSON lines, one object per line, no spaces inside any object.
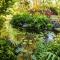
{"x":41,"y":22}
{"x":54,"y":48}
{"x":4,"y":4}
{"x":49,"y":51}
{"x":21,"y":19}
{"x":6,"y":50}
{"x":30,"y":23}
{"x":40,"y":49}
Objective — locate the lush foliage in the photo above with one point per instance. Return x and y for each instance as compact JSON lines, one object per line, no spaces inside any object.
{"x":6,"y":50}
{"x":31,"y":23}
{"x":49,"y":51}
{"x":4,"y":4}
{"x":26,"y":34}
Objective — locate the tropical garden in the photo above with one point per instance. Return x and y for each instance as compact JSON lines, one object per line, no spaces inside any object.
{"x":29,"y":29}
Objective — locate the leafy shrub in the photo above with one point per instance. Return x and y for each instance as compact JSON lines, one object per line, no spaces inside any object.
{"x":40,"y":49}
{"x":54,"y":48}
{"x":6,"y":50}
{"x":41,"y":22}
{"x":30,"y":23}
{"x":21,"y":19}
{"x":4,"y":4}
{"x":49,"y":51}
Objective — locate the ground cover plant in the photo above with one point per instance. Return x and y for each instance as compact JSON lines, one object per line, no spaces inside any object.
{"x":6,"y":50}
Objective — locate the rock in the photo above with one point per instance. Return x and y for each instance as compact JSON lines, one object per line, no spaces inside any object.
{"x":56,"y":22}
{"x":57,"y":29}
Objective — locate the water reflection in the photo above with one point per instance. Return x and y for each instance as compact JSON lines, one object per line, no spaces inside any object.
{"x":50,"y":36}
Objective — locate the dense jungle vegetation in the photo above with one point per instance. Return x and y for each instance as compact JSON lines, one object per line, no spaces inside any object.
{"x":29,"y":29}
